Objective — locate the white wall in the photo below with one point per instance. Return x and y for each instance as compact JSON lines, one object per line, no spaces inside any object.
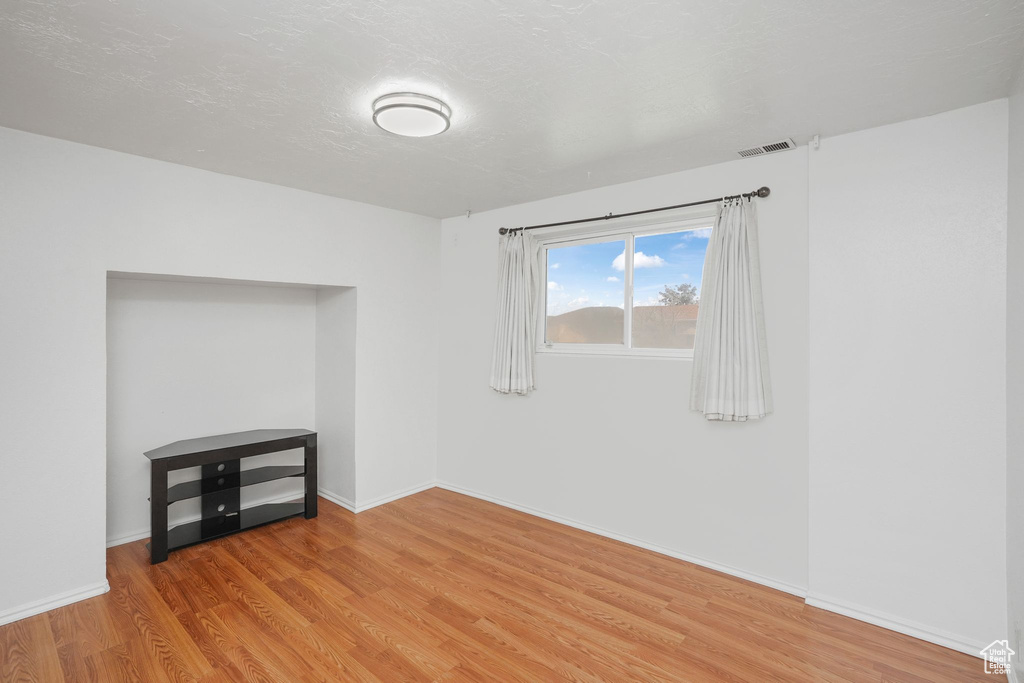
{"x":1015,"y":377}
{"x":189,"y":359}
{"x":609,"y":442}
{"x":70,"y":213}
{"x":336,"y":341}
{"x":898,"y":418}
{"x":907,"y":412}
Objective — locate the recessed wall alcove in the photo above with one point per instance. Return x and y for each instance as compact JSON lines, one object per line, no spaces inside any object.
{"x":191,"y":356}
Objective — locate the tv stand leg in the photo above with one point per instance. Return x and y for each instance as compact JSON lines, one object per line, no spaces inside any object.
{"x":311,"y":478}
{"x":158,"y":512}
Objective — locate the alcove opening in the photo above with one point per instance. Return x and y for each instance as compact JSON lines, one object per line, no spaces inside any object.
{"x":193,"y":356}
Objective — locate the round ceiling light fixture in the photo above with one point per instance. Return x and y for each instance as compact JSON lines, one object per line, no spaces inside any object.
{"x":411,"y":114}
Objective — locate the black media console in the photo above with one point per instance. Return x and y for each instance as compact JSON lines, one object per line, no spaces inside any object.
{"x":219,"y":487}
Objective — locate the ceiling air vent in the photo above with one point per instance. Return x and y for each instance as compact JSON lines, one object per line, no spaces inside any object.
{"x":780,"y":146}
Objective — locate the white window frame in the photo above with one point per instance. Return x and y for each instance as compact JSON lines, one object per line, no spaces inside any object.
{"x":626,"y":231}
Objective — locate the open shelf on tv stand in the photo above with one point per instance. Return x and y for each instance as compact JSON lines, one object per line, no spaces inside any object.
{"x":219,"y":486}
{"x":191,"y":533}
{"x":226,"y":482}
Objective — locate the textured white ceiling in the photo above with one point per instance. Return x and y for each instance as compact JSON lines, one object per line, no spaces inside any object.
{"x":548,"y":98}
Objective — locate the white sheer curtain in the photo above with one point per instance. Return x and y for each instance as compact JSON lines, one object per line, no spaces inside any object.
{"x":515,"y":327}
{"x":730,"y":357}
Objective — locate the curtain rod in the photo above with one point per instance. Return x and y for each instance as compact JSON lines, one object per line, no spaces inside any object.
{"x":762,"y":192}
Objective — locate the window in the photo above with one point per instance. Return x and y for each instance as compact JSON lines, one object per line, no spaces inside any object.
{"x":629,"y":292}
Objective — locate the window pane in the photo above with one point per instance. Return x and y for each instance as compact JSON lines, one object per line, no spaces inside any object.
{"x":667,"y":271}
{"x":585,"y":293}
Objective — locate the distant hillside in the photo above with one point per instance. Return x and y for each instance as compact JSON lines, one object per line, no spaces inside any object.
{"x":594,"y":325}
{"x":653,"y":326}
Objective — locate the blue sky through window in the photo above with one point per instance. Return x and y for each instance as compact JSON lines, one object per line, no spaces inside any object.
{"x":584,"y":275}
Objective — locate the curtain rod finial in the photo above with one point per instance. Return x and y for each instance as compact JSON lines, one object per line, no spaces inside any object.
{"x":502,"y":231}
{"x":764,"y":192}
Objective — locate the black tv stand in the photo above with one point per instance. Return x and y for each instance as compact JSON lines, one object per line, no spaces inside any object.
{"x":219,"y":487}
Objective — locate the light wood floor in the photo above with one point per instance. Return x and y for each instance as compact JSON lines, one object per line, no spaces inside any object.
{"x":439,"y":586}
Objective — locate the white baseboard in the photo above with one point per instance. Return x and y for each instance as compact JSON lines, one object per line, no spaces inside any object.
{"x":352,"y":506}
{"x":693,"y":559}
{"x":898,"y":624}
{"x":128,"y":538}
{"x":381,"y":500}
{"x":53,"y":602}
{"x":337,"y":500}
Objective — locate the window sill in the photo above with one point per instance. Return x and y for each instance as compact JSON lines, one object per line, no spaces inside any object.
{"x":617,"y":352}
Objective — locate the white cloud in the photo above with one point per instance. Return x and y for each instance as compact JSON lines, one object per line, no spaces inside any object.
{"x":554,"y":286}
{"x":640,"y":260}
{"x":700,"y":233}
{"x":684,"y":237}
{"x":554,"y":266}
{"x":612,"y":278}
{"x":580,"y":301}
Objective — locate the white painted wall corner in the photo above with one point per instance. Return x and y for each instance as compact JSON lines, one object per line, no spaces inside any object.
{"x":355,"y":507}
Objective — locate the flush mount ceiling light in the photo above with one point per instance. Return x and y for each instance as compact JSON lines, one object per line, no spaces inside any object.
{"x":412,"y":115}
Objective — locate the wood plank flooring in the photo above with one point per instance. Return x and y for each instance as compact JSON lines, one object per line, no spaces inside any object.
{"x":443,"y":587}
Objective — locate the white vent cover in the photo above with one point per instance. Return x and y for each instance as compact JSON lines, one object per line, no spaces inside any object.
{"x":780,"y":146}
